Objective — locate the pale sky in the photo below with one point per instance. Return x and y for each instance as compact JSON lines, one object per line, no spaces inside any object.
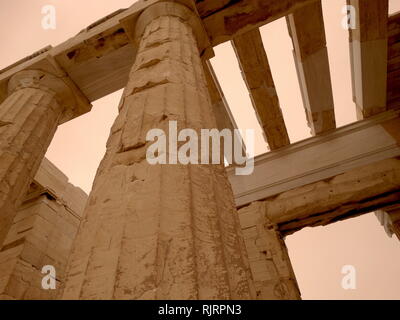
{"x":318,"y":254}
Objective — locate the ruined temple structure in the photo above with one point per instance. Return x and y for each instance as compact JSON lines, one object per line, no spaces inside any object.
{"x":213,"y":235}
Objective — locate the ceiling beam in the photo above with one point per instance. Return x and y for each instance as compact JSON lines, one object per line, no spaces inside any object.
{"x":358,"y":191}
{"x":318,"y":158}
{"x":369,"y":56}
{"x":257,"y":75}
{"x":99,"y":58}
{"x":224,"y":19}
{"x":307,"y":30}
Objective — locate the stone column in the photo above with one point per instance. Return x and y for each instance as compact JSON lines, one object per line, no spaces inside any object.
{"x":165,"y":231}
{"x":28,"y":121}
{"x":270,"y":264}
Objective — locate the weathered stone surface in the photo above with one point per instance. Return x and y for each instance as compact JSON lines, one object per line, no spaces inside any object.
{"x":28,"y":121}
{"x":369,"y":56}
{"x":361,"y":190}
{"x":273,"y":275}
{"x":307,"y":30}
{"x":256,"y":72}
{"x":161,"y":231}
{"x":99,"y":58}
{"x":41,"y":234}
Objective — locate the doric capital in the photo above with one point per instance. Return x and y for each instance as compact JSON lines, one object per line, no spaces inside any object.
{"x":37,"y":79}
{"x":183,"y":9}
{"x":64,"y":93}
{"x":43,"y":72}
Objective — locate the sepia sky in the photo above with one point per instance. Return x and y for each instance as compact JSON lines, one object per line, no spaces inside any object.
{"x":318,"y":254}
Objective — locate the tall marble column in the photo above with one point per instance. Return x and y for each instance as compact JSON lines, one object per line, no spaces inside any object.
{"x":164,"y":231}
{"x":28,"y":120}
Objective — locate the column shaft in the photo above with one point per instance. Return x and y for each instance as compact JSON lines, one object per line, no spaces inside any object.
{"x":160,"y":231}
{"x":270,"y":264}
{"x":28,"y":121}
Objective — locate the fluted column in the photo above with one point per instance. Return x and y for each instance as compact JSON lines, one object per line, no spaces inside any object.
{"x":28,"y":121}
{"x":160,"y":231}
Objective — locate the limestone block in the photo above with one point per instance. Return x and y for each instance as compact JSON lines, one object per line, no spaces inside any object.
{"x":42,"y":234}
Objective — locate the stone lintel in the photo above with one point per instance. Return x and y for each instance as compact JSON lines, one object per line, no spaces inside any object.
{"x":320,"y":157}
{"x":368,"y":44}
{"x":99,"y":58}
{"x":358,"y":191}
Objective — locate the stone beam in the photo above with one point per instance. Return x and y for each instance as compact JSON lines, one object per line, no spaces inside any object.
{"x":224,"y":19}
{"x":257,"y":75}
{"x":319,"y":158}
{"x":38,"y":99}
{"x":307,"y":30}
{"x":357,"y":191}
{"x":393,"y":77}
{"x":99,"y":58}
{"x":369,"y":56}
